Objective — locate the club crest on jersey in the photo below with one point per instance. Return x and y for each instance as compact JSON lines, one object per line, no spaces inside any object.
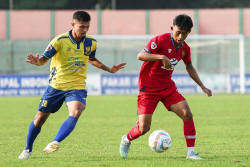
{"x":169,"y":50}
{"x":153,"y":45}
{"x":183,"y":53}
{"x":49,"y":47}
{"x":87,"y":50}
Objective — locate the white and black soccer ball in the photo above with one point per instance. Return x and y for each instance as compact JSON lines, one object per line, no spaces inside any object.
{"x":159,"y":141}
{"x":174,"y":61}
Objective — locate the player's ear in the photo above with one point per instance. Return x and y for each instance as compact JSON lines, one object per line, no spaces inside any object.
{"x":72,"y":24}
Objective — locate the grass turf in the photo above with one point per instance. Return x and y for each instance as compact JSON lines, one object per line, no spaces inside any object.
{"x":222,"y":126}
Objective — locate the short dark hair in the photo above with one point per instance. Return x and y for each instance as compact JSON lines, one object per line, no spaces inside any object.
{"x":184,"y":22}
{"x":81,"y":16}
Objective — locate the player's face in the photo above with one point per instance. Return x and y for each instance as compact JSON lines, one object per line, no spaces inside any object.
{"x":80,"y":28}
{"x":179,"y":35}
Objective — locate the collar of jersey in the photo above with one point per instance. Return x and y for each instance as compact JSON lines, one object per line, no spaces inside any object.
{"x":73,"y":39}
{"x":172,"y":40}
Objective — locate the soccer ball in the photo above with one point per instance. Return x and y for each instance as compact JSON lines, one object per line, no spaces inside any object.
{"x":159,"y":141}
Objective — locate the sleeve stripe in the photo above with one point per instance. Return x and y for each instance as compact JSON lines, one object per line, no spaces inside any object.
{"x":61,"y":38}
{"x":147,"y":50}
{"x":45,"y":56}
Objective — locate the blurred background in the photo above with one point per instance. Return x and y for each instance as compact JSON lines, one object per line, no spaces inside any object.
{"x":219,"y":41}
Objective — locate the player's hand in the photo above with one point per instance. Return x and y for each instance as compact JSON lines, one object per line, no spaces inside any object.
{"x":166,"y":63}
{"x":115,"y":68}
{"x":32,"y":59}
{"x":207,"y":91}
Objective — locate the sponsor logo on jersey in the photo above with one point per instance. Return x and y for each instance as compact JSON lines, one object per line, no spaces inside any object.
{"x":169,"y":50}
{"x":153,"y":45}
{"x":75,"y":64}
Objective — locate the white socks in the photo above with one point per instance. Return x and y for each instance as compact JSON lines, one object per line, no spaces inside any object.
{"x":126,"y":139}
{"x":190,"y":149}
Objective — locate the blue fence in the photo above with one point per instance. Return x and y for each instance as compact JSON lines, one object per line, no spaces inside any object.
{"x":110,"y":84}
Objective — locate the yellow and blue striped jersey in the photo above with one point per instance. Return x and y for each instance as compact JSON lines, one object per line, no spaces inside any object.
{"x":68,"y":67}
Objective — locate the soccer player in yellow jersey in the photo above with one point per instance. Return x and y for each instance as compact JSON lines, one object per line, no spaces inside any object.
{"x":70,"y":52}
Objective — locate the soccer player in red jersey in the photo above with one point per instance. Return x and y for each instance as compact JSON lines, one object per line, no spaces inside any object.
{"x":160,"y":56}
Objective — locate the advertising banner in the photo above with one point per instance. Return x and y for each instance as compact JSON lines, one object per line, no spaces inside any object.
{"x":23,"y":85}
{"x":128,"y":84}
{"x":119,"y":84}
{"x":112,"y":84}
{"x":235,"y":83}
{"x":184,"y":83}
{"x":35,"y":85}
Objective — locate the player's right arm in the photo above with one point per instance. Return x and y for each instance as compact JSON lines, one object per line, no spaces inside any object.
{"x":145,"y":56}
{"x":35,"y":60}
{"x":49,"y":52}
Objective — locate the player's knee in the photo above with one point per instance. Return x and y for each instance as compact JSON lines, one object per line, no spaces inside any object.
{"x":144,"y":129}
{"x":76,"y":113}
{"x":187,"y":115}
{"x":39,"y":121}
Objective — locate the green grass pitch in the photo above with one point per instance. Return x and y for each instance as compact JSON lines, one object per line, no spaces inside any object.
{"x":222,"y":126}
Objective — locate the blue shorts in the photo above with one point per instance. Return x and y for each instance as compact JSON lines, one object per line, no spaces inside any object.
{"x":53,"y":99}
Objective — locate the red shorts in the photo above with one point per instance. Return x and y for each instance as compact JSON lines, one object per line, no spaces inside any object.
{"x":147,"y":101}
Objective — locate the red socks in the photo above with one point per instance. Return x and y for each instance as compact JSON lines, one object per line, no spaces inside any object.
{"x":189,"y":132}
{"x":134,"y":132}
{"x":188,"y":127}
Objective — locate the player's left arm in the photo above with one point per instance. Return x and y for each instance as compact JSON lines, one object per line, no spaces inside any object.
{"x":95,"y":62}
{"x":194,"y":75}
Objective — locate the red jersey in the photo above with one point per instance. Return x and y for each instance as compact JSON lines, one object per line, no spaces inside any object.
{"x":153,"y":76}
